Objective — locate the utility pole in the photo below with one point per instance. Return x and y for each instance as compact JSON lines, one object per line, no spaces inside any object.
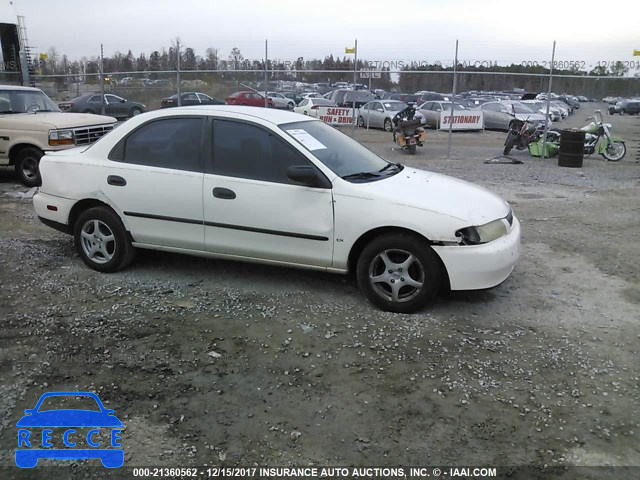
{"x":178,"y":70}
{"x":266,"y":75}
{"x":102,"y":77}
{"x":355,"y":79}
{"x":453,"y":94}
{"x":546,"y":118}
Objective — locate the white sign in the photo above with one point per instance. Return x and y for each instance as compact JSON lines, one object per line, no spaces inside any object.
{"x":306,"y":139}
{"x":335,"y":115}
{"x":462,"y":120}
{"x":370,"y":74}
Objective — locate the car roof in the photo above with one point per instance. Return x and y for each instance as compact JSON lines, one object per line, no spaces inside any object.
{"x":16,"y":87}
{"x":272,"y":115}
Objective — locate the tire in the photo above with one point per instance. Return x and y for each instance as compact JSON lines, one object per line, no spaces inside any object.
{"x":387,"y":125}
{"x":135,"y":111}
{"x":27,"y":165}
{"x":290,"y":106}
{"x":620,"y":154}
{"x":101,"y":240}
{"x":360,"y":122}
{"x":88,"y":111}
{"x":424,"y":271}
{"x":412,"y":149}
{"x":508,"y":144}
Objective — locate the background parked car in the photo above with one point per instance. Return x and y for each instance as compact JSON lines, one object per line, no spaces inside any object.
{"x":189,"y":98}
{"x":380,"y":113}
{"x":498,"y":115}
{"x":252,"y":99}
{"x":309,"y":106}
{"x":114,"y":106}
{"x":431,"y":112}
{"x":347,"y":98}
{"x":280,"y":101}
{"x":294,"y":96}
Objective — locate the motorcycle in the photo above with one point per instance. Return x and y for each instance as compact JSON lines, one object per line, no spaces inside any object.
{"x":597,"y":136}
{"x":407,"y":131}
{"x":521,"y":134}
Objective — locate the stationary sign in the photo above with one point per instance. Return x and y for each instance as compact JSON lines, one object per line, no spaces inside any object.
{"x":462,"y":120}
{"x":349,"y":49}
{"x":335,"y":115}
{"x":636,"y":53}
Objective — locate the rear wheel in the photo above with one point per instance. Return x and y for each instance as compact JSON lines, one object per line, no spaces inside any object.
{"x":27,"y":166}
{"x":101,"y":240}
{"x":360,"y":122}
{"x":135,"y":111}
{"x":399,"y":272}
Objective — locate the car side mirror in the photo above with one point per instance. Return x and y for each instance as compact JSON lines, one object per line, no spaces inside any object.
{"x":306,"y":175}
{"x":29,"y":411}
{"x":109,"y":411}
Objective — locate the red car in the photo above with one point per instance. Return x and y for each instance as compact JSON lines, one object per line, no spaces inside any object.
{"x":252,"y":99}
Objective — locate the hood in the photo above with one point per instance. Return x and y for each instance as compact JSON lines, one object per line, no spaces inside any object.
{"x":470,"y":203}
{"x":69,"y":418}
{"x":48,"y":120}
{"x":73,"y":120}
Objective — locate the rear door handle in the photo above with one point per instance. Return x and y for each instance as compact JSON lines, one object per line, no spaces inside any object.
{"x":224,"y":193}
{"x":116,"y":181}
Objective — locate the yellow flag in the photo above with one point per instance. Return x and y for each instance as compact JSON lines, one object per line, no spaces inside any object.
{"x":636,"y":53}
{"x":349,"y":50}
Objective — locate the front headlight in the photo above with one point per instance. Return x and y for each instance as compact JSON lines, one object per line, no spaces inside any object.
{"x":60,"y":137}
{"x":485,"y":233}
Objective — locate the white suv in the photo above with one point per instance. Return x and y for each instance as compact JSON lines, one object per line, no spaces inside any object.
{"x":31,"y":124}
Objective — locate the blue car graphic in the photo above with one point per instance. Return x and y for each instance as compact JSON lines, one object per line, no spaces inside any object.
{"x":27,"y":457}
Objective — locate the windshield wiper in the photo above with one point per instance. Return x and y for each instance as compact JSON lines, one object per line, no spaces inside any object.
{"x":391,"y":165}
{"x":360,"y":175}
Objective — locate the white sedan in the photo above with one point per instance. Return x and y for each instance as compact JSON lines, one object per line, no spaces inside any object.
{"x":309,"y":106}
{"x":270,"y":186}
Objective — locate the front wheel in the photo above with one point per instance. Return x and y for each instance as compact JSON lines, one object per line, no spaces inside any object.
{"x":508,"y":144}
{"x":412,"y":149}
{"x":101,"y":240}
{"x":615,"y":151}
{"x":399,"y":272}
{"x":387,"y":125}
{"x":27,"y":166}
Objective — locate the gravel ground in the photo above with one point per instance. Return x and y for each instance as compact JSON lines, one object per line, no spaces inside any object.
{"x":219,"y":363}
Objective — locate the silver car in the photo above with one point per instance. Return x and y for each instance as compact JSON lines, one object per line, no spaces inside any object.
{"x":380,"y":113}
{"x":498,"y":115}
{"x":431,"y":112}
{"x":280,"y":101}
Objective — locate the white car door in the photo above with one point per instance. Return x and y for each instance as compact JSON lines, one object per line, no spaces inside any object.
{"x":252,"y":209}
{"x":155,"y":181}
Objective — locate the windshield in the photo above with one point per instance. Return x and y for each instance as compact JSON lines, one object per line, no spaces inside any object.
{"x":340,"y":153}
{"x":447,"y":106}
{"x":23,"y":101}
{"x":65,"y":402}
{"x":394,"y":106}
{"x":519,"y":108}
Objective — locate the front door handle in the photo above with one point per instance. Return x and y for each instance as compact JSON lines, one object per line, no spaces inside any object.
{"x":224,"y":193}
{"x":116,"y":181}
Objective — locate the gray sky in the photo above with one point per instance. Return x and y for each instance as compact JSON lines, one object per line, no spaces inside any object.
{"x":424,"y":30}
